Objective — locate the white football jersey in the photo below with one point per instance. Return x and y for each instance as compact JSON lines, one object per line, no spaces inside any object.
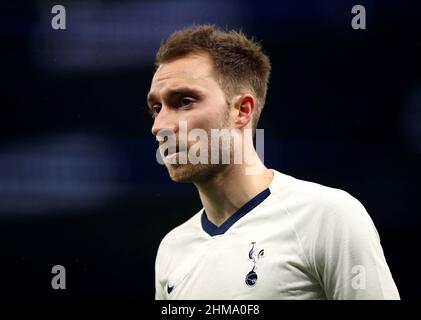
{"x":294,"y":240}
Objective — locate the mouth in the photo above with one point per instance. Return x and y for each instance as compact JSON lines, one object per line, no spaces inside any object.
{"x":172,"y":152}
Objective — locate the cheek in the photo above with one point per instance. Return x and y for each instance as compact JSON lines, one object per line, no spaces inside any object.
{"x":218,"y":116}
{"x":201,"y":119}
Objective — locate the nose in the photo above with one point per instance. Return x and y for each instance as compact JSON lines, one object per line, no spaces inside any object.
{"x":165,"y":121}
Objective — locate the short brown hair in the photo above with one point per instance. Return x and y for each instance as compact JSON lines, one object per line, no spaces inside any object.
{"x":239,"y":61}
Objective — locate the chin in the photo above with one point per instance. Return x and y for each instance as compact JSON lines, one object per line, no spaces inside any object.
{"x":190,"y":173}
{"x":180,"y":173}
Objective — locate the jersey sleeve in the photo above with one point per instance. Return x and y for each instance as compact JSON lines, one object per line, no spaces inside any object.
{"x":159,"y":288}
{"x":347,"y":255}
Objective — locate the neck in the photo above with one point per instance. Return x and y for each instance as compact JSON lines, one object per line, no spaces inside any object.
{"x":230,"y":189}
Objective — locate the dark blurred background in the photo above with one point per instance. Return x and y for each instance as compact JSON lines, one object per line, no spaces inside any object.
{"x":79,"y":183}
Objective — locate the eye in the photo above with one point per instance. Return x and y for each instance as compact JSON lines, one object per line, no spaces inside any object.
{"x":186,"y":101}
{"x":155,"y":109}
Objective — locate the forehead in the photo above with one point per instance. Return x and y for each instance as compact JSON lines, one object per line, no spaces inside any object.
{"x":190,"y":70}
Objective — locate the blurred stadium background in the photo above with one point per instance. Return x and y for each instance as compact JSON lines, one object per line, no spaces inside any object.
{"x":79,"y":183}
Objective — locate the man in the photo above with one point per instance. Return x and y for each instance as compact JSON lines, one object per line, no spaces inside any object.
{"x":261,"y":234}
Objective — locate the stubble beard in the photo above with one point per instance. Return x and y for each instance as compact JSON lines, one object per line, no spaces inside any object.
{"x":200,"y":172}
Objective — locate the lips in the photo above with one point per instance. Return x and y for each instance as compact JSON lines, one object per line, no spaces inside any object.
{"x":172,"y":151}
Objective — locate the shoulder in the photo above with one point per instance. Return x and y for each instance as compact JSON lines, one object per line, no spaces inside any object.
{"x":319,"y":201}
{"x":181,"y":235}
{"x":321,"y":215}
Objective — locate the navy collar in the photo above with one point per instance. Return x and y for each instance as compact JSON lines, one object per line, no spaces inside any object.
{"x":213,"y":230}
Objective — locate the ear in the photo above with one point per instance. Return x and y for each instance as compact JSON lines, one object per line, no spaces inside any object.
{"x":244,"y":108}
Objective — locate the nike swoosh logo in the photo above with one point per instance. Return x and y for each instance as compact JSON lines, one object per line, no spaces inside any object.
{"x":171,"y":288}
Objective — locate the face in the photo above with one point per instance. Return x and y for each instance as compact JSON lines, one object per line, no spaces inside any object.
{"x":186,"y":89}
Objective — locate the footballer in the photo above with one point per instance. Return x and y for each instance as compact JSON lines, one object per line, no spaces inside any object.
{"x":261,"y":234}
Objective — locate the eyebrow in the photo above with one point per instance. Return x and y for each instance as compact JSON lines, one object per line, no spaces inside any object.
{"x":152,"y":98}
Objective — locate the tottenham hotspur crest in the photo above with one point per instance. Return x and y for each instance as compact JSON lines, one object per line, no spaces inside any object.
{"x":254,"y":256}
